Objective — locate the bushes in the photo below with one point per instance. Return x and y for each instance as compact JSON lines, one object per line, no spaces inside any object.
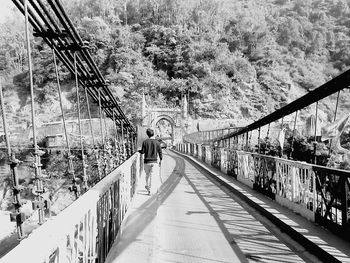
{"x":303,"y":149}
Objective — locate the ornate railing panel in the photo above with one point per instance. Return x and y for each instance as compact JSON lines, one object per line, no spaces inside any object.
{"x":318,"y":193}
{"x":208,"y":154}
{"x":296,"y":183}
{"x":223,"y":160}
{"x":196,"y":150}
{"x":246,"y":171}
{"x":204,"y":153}
{"x":192,"y":149}
{"x":232,"y":163}
{"x":265,"y":171}
{"x":333,"y":199}
{"x":84,"y":231}
{"x":216,"y":157}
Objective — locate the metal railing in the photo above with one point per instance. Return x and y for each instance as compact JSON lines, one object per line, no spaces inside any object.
{"x":206,"y":137}
{"x":319,"y":193}
{"x":84,"y":231}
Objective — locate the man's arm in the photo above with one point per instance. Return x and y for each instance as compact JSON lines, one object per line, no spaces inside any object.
{"x":142,"y":151}
{"x":160,"y":153}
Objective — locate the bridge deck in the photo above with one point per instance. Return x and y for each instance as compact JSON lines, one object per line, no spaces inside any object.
{"x":193,"y":219}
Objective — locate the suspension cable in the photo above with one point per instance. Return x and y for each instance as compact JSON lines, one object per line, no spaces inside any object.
{"x":13,"y":162}
{"x":293,"y":134}
{"x":105,"y":122}
{"x":74,"y":187}
{"x":259,"y":139}
{"x":315,"y":142}
{"x":250,"y":138}
{"x":7,"y":138}
{"x":115,"y":158}
{"x":229,"y":140}
{"x":335,"y":117}
{"x":268,"y":131}
{"x":246,"y":141}
{"x":90,"y":119}
{"x":282,"y":131}
{"x":61,"y":103}
{"x":102,"y":136}
{"x":108,"y":152}
{"x":94,"y":146}
{"x":79,"y":123}
{"x":117,"y":144}
{"x":123,"y":142}
{"x":39,"y":201}
{"x":100,"y":111}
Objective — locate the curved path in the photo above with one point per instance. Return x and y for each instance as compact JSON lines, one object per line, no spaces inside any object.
{"x":192,"y":219}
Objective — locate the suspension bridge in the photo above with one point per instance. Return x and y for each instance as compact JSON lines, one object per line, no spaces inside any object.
{"x":222,"y":195}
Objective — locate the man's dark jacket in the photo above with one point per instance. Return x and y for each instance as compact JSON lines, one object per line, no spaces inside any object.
{"x":150,"y":148}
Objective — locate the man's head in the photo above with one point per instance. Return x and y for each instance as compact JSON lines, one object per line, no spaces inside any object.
{"x":149,"y":132}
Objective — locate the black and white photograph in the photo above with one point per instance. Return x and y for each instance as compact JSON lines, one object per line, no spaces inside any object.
{"x":174,"y":131}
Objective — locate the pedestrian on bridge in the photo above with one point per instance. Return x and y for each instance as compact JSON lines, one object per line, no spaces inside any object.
{"x":152,"y":150}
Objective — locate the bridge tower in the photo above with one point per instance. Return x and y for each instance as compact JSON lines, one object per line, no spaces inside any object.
{"x":176,"y":116}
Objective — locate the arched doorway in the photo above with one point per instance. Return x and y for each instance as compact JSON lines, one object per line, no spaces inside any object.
{"x":164,"y":129}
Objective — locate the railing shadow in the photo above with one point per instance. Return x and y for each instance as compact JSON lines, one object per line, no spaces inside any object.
{"x":140,"y":219}
{"x":248,"y":237}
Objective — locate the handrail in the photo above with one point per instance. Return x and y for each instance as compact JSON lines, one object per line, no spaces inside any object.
{"x":206,"y":137}
{"x":84,"y":230}
{"x":319,"y":193}
{"x":336,"y":84}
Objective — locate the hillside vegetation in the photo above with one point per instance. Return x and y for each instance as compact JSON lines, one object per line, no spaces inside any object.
{"x":234,"y":59}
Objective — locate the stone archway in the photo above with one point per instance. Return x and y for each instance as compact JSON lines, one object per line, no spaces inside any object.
{"x":162,"y":131}
{"x":176,"y":115}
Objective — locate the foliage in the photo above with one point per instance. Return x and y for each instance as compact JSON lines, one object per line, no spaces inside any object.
{"x":296,"y":147}
{"x":233,"y":59}
{"x":237,"y":52}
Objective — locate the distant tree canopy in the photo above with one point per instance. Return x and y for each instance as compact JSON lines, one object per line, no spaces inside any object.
{"x":242,"y":53}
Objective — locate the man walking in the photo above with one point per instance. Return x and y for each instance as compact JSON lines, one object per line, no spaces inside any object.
{"x":151,"y":149}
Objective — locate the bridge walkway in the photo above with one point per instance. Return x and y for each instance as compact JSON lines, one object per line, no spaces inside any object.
{"x":195,"y":219}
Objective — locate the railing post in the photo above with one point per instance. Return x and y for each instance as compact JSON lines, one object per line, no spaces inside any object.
{"x":315,"y":142}
{"x":292,"y":175}
{"x":199,"y":155}
{"x":223,"y":160}
{"x":207,"y":154}
{"x":259,"y":140}
{"x":278,"y":168}
{"x":314,"y":189}
{"x":344,"y":200}
{"x":246,"y":139}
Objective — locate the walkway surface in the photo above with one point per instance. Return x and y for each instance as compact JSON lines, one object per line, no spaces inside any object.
{"x":194,"y":219}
